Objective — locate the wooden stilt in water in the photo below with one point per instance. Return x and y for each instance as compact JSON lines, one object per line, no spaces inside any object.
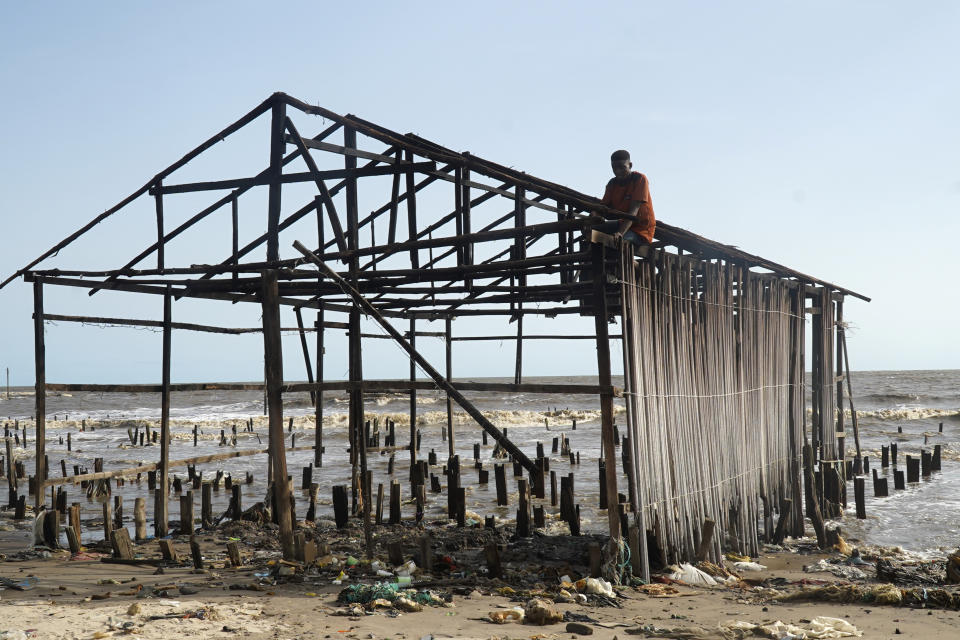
{"x":500,"y":477}
{"x":395,"y":502}
{"x":858,"y":492}
{"x":449,"y":353}
{"x":107,"y":519}
{"x":318,"y":408}
{"x":340,"y":505}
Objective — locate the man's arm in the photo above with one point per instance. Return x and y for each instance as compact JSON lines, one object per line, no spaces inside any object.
{"x":626,"y":223}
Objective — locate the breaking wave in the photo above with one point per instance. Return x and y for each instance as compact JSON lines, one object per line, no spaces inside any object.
{"x":906,"y":413}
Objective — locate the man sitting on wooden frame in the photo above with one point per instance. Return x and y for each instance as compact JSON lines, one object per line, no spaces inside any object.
{"x":628,"y":191}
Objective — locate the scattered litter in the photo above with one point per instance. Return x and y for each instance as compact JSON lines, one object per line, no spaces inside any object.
{"x":839,"y":570}
{"x":539,"y":611}
{"x":407,"y":605}
{"x":596,"y":585}
{"x":508,"y":615}
{"x":690,"y":575}
{"x":819,"y":627}
{"x":749,"y":566}
{"x":19,"y":585}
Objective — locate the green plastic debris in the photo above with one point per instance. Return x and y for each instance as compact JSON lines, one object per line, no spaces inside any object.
{"x":366,"y":593}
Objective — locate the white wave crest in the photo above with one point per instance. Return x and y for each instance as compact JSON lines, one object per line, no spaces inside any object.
{"x":906,"y":413}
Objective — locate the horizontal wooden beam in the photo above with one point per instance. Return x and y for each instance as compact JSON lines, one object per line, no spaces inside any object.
{"x":290,"y":178}
{"x":459,"y":385}
{"x":615,"y":336}
{"x":470,"y":238}
{"x":154,"y":388}
{"x":286,"y":273}
{"x":343,"y":385}
{"x":179,"y":292}
{"x":132,"y":322}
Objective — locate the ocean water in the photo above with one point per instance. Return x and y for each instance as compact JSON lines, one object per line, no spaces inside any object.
{"x":906,"y":407}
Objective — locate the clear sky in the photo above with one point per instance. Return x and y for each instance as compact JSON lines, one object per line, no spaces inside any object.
{"x":821,"y":135}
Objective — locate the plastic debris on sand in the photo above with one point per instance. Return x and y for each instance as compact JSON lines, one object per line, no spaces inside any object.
{"x":819,"y":627}
{"x":507,"y":615}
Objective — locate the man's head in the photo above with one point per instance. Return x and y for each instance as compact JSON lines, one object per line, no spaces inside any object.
{"x":620,"y":163}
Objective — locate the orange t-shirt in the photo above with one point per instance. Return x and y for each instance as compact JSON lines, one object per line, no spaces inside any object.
{"x":621,"y":194}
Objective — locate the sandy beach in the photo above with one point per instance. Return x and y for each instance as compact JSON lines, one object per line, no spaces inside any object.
{"x":82,"y":597}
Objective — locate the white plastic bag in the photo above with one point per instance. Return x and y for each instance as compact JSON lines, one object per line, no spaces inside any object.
{"x":691,"y":575}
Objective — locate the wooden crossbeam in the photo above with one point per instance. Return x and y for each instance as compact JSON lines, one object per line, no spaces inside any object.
{"x":184,"y":326}
{"x":292,"y":178}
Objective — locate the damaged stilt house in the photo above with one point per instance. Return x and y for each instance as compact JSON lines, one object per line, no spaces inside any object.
{"x":718,"y":449}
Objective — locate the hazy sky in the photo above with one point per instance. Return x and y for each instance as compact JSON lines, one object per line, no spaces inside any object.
{"x":821,"y":135}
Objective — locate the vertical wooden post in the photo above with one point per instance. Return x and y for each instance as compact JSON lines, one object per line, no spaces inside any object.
{"x":107,"y":519}
{"x":449,"y":349}
{"x":858,"y":492}
{"x":356,"y":359}
{"x":520,"y":252}
{"x":273,"y":354}
{"x":458,"y":210}
{"x":518,"y":368}
{"x":163,"y":516}
{"x":841,"y":434}
{"x":158,"y":200}
{"x":413,"y":395}
{"x":797,"y":408}
{"x":606,"y":399}
{"x":206,"y":506}
{"x":816,"y":516}
{"x":464,"y":189}
{"x":159,"y":511}
{"x":279,"y":114}
{"x":140,"y":518}
{"x":186,"y":513}
{"x":11,"y":473}
{"x":235,"y":223}
{"x":40,"y":390}
{"x":318,"y":408}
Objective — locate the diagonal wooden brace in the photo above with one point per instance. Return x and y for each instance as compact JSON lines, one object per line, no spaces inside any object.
{"x":441,"y":382}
